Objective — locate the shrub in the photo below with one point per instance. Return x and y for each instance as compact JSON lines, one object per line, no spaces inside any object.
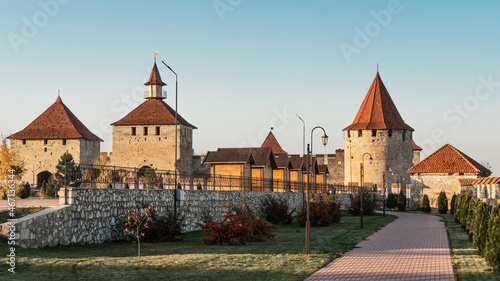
{"x":470,"y":218}
{"x":367,"y":205}
{"x":442,"y":203}
{"x":392,"y":201}
{"x":492,"y":249}
{"x":135,"y":225}
{"x":457,"y":209}
{"x":164,"y":228}
{"x":452,"y":203}
{"x":319,"y":216}
{"x":426,"y":206}
{"x":481,"y":226}
{"x":24,"y":191}
{"x":464,"y":209}
{"x":237,"y":230}
{"x":275,"y":211}
{"x":126,"y":186}
{"x":401,"y":201}
{"x":51,"y":188}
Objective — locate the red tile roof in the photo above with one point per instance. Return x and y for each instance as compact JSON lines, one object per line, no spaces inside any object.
{"x":57,"y":122}
{"x":448,"y":159}
{"x":495,"y":180}
{"x":154,"y":78}
{"x":415,"y":146}
{"x":466,"y":181}
{"x":271,"y":142}
{"x":378,"y":111}
{"x":152,"y":112}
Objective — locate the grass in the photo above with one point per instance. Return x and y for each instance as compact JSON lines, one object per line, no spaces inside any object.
{"x":19,"y":212}
{"x":468,"y":265}
{"x":281,"y":259}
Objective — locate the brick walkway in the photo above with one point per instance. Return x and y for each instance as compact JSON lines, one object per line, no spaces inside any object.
{"x":413,"y":247}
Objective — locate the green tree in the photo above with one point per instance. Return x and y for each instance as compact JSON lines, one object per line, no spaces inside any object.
{"x":67,"y":172}
{"x":426,"y":206}
{"x":24,"y":190}
{"x":480,"y":237}
{"x":392,"y":201}
{"x":471,"y":211}
{"x":464,"y":209}
{"x":452,"y":203}
{"x":492,"y":249}
{"x":401,"y":201}
{"x":457,"y":210}
{"x":442,"y":203}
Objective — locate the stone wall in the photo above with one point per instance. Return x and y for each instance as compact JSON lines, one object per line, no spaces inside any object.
{"x":97,"y":215}
{"x":392,"y":152}
{"x":335,"y":163}
{"x":43,"y":155}
{"x":155,"y":151}
{"x":432,"y":184}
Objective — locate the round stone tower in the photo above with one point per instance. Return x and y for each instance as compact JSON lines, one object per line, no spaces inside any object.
{"x":378,"y":131}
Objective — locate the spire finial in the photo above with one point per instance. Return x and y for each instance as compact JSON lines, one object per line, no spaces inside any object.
{"x":58,"y":93}
{"x":156,"y":53}
{"x":377,"y":67}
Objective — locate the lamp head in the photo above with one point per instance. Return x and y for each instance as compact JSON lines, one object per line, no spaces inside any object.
{"x":371,"y":160}
{"x":324,"y":138}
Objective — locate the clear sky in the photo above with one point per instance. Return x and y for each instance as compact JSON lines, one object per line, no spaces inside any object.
{"x":245,"y":66}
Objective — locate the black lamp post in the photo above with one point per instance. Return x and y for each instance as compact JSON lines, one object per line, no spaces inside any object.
{"x":175,"y":153}
{"x":324,"y":139}
{"x":362,"y":167}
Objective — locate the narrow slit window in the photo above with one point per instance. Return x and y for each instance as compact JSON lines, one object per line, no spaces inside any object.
{"x":348,"y":134}
{"x":24,"y":141}
{"x":390,"y":133}
{"x":374,"y":133}
{"x":45,"y":142}
{"x":404,"y":135}
{"x":64,"y":142}
{"x":145,"y":131}
{"x":133,"y":131}
{"x":157,"y":131}
{"x":360,"y":133}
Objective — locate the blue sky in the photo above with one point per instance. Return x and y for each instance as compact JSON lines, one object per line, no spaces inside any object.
{"x":245,"y":66}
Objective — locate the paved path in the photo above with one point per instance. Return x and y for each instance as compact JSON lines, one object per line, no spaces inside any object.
{"x":31,"y":203}
{"x":413,"y":247}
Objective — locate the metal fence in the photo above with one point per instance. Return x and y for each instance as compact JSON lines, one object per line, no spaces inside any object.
{"x":97,"y":176}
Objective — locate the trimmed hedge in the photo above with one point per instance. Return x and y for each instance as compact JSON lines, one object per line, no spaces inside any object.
{"x":426,"y":206}
{"x":442,"y":203}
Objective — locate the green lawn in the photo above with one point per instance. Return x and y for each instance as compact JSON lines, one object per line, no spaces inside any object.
{"x":281,"y":259}
{"x":468,"y":265}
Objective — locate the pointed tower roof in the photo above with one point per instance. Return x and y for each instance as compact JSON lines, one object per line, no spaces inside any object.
{"x":448,"y":159}
{"x":271,"y":142}
{"x":378,"y":110}
{"x":152,"y":112}
{"x":154,"y":77}
{"x":57,"y":122}
{"x":415,"y":146}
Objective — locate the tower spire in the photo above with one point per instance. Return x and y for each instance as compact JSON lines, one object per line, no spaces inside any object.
{"x":155,"y":84}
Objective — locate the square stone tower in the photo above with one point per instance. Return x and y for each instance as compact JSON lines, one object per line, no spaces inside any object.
{"x":55,"y":131}
{"x":146,"y":136}
{"x":379,"y":132}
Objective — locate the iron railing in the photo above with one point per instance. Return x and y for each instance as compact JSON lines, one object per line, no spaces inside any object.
{"x":99,"y":176}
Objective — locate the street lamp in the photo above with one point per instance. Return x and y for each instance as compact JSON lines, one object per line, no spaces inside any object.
{"x":175,"y":153}
{"x":362,"y":167}
{"x":324,"y":139}
{"x":303,"y":135}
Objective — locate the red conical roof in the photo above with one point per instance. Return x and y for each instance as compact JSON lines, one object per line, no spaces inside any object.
{"x":378,"y":111}
{"x":154,"y":78}
{"x":57,"y":122}
{"x":271,"y":142}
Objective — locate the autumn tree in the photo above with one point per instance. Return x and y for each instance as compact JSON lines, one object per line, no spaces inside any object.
{"x":10,"y":163}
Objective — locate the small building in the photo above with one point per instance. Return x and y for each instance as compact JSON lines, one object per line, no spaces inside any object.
{"x":42,"y":143}
{"x":281,"y":175}
{"x":443,"y":170}
{"x":145,"y":138}
{"x":335,"y":163}
{"x":296,"y":172}
{"x":256,"y":163}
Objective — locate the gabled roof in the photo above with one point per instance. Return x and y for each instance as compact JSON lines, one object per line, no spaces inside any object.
{"x":152,"y":112}
{"x":378,"y":112}
{"x":282,"y":161}
{"x":415,"y":146}
{"x":229,"y":155}
{"x":154,"y":77}
{"x":271,"y":142}
{"x":57,"y":122}
{"x":448,"y":159}
{"x":297,"y":162}
{"x":260,"y":155}
{"x":323,"y":169}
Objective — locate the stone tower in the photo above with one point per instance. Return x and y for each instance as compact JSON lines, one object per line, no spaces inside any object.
{"x":42,"y":143}
{"x":146,"y":136}
{"x":379,"y":130}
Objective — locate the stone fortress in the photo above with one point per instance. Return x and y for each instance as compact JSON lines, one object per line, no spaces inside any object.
{"x":145,"y":138}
